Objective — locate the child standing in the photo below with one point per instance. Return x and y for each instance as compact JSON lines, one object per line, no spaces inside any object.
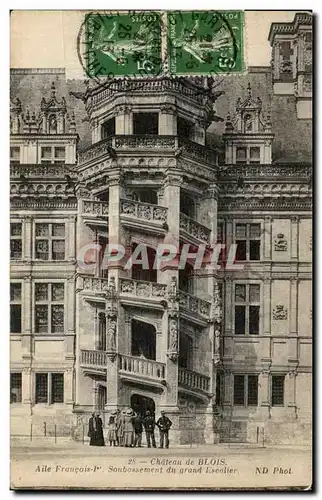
{"x":112,"y":437}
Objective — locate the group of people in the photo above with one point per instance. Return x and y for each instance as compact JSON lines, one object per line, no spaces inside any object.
{"x":126,"y":428}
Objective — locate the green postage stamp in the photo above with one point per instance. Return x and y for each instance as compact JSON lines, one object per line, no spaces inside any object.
{"x":205,"y":43}
{"x":155,"y":43}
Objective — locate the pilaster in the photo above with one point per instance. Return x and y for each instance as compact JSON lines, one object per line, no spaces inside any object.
{"x":294,"y":237}
{"x":267,"y":254}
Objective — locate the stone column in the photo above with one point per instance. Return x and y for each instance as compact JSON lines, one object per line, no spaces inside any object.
{"x":167,"y":120}
{"x":115,"y":233}
{"x":26,"y":341}
{"x":264,"y":392}
{"x":68,"y":386}
{"x":294,"y":237}
{"x":267,"y":253}
{"x":71,"y":238}
{"x":124,"y":121}
{"x":276,"y":60}
{"x":26,"y":386}
{"x":28,"y":239}
{"x":290,"y":392}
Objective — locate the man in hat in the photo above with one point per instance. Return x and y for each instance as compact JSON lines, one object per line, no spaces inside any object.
{"x":138,"y":429}
{"x":164,"y":424}
{"x":128,"y":428}
{"x":149,"y":424}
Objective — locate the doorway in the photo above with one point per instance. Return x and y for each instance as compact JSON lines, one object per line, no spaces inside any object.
{"x":143,"y":340}
{"x":140,"y":404}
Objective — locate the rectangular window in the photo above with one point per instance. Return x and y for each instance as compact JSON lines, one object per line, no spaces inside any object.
{"x":57,"y":388}
{"x":184,"y":128}
{"x":53,"y":154}
{"x":16,"y":240}
{"x":239,"y":390}
{"x":15,"y":388}
{"x":254,"y":155}
{"x":278,"y":390}
{"x":145,"y":123}
{"x":49,"y":308}
{"x":245,"y":390}
{"x":241,"y":155}
{"x":248,"y":240}
{"x":50,"y":241}
{"x":247,"y":309}
{"x":49,"y":388}
{"x":252,"y":392}
{"x":15,"y":154}
{"x":108,"y":128}
{"x":15,"y":307}
{"x":41,"y":387}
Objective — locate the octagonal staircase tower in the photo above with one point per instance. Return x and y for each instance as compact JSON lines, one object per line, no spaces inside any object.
{"x":146,"y":337}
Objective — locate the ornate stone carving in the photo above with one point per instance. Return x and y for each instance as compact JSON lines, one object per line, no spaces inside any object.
{"x":280,"y":312}
{"x":168,"y":109}
{"x":217,"y":304}
{"x":280,"y":243}
{"x":111,"y":333}
{"x":217,"y":336}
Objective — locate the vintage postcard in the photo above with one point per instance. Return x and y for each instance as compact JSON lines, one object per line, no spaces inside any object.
{"x":161,"y":249}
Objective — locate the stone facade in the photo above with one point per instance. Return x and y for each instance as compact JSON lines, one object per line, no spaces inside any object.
{"x":227,"y":353}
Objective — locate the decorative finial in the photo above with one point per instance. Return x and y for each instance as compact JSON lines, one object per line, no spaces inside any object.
{"x":53,"y":90}
{"x":33,"y":116}
{"x":249,"y":90}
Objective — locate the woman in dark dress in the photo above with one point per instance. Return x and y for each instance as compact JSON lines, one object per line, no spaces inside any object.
{"x":95,"y":431}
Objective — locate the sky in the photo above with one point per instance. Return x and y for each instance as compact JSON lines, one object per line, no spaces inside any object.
{"x":48,"y":39}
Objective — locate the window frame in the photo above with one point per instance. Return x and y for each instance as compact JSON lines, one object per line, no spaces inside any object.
{"x":248,"y":239}
{"x":53,"y":159}
{"x":50,"y":239}
{"x":247,"y":304}
{"x":248,"y":156}
{"x":157,"y":115}
{"x":277,"y":375}
{"x":246,"y":403}
{"x":17,"y":302}
{"x":49,"y":303}
{"x":49,"y":388}
{"x":11,"y":375}
{"x":12,"y":158}
{"x":17,"y":238}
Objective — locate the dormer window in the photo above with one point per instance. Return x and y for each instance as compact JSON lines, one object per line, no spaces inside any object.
{"x":247,"y":155}
{"x":241,"y":155}
{"x":52,"y":154}
{"x":145,"y":123}
{"x":15,"y":154}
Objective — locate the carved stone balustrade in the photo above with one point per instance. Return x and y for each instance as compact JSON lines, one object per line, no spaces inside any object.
{"x":194,"y":305}
{"x":132,"y":365}
{"x":93,"y":359}
{"x":194,"y":228}
{"x":144,"y":289}
{"x":95,"y":208}
{"x":94,"y":285}
{"x":193,"y":380}
{"x":113,"y":145}
{"x":143,"y":211}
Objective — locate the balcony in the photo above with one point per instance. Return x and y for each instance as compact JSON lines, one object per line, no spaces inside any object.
{"x":136,"y":214}
{"x":147,"y":291}
{"x":139,"y":369}
{"x":132,"y":366}
{"x":193,"y":381}
{"x":94,"y":289}
{"x":193,"y":305}
{"x":190,"y":227}
{"x":95,"y":212}
{"x":152,"y":144}
{"x":266,"y":172}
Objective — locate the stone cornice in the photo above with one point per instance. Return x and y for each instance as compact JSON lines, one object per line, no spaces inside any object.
{"x":41,"y":170}
{"x":301,"y":18}
{"x":274,"y":171}
{"x":37,"y":71}
{"x":265,"y":204}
